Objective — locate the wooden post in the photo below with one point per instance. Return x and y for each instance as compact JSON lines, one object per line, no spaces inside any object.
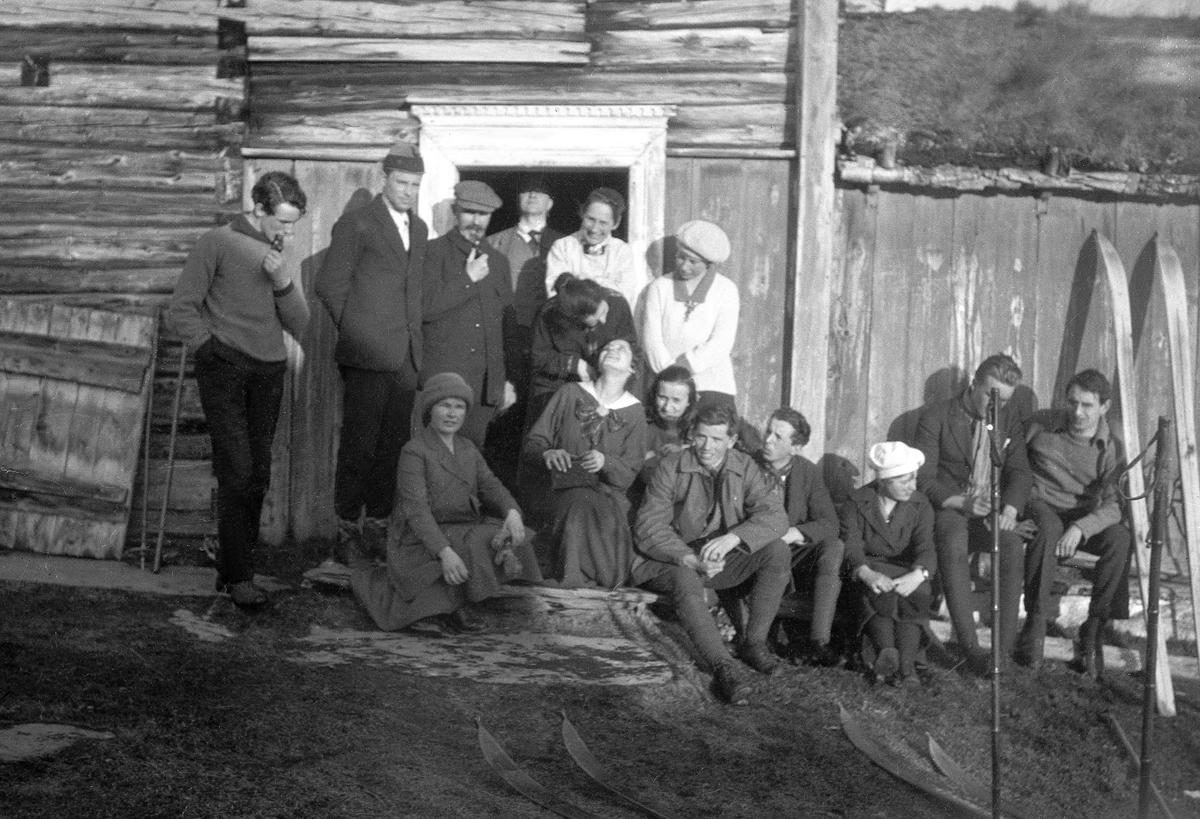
{"x":807,"y":336}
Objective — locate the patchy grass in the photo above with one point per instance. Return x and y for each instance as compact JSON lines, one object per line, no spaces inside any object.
{"x":994,"y":88}
{"x":236,"y":730}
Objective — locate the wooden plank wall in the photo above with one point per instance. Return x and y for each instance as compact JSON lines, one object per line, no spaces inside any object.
{"x":927,"y":286}
{"x":119,"y":131}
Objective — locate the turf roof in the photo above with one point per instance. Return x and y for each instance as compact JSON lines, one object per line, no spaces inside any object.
{"x":999,"y":88}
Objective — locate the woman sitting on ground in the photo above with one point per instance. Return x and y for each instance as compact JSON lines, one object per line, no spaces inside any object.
{"x":568,"y":334}
{"x":887,"y":527}
{"x":444,"y":552}
{"x":592,"y":439}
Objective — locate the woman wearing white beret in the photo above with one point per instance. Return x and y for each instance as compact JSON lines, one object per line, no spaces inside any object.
{"x":691,"y":317}
{"x":887,"y":527}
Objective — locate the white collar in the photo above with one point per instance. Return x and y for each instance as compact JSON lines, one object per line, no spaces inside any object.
{"x":625,"y":400}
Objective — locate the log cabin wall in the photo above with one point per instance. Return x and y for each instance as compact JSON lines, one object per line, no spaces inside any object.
{"x":119,"y":132}
{"x":927,"y":283}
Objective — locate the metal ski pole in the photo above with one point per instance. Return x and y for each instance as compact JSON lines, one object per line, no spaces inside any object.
{"x":1164,"y":486}
{"x":162,"y":515}
{"x":996,"y":455}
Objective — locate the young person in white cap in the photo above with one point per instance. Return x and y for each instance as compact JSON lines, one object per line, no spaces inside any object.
{"x":887,"y":527}
{"x":690,"y":317}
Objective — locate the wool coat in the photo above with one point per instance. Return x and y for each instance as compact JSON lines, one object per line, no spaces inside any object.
{"x":371,"y":286}
{"x":944,"y":434}
{"x":807,"y":502}
{"x":464,"y":320}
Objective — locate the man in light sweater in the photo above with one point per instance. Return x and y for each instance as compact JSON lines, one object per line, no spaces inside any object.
{"x":1076,"y":463}
{"x":231,"y":304}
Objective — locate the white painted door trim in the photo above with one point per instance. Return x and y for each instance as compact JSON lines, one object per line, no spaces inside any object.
{"x":455,"y":138}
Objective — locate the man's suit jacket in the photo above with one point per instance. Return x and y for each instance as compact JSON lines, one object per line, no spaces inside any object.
{"x":944,"y":434}
{"x":455,"y":307}
{"x":371,"y":286}
{"x":809,"y":507}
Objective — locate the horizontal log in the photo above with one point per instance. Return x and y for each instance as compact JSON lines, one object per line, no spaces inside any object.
{"x":112,"y":45}
{"x":102,"y":206}
{"x":717,"y":152}
{"x":342,"y":49}
{"x":190,"y":412}
{"x":192,"y":485}
{"x":608,"y":15}
{"x":31,"y":164}
{"x":171,"y":15}
{"x":177,"y":238}
{"x":771,"y":126}
{"x":193,"y":446}
{"x":326,"y":89}
{"x":58,"y":529}
{"x":864,"y":171}
{"x":101,"y":301}
{"x":189,"y":523}
{"x":102,"y":365}
{"x":48,"y":280}
{"x":89,"y":127}
{"x":374,"y":127}
{"x":95,"y":497}
{"x":143,"y":87}
{"x":496,"y":19}
{"x":699,"y":49}
{"x":96,"y":252}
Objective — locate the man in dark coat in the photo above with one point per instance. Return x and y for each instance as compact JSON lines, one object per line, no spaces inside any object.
{"x":955,"y":477}
{"x":466,"y":289}
{"x":812,"y":533}
{"x":711,"y":518}
{"x":370,"y":281}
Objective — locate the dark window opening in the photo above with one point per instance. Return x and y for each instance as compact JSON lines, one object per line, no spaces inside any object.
{"x":35,"y":71}
{"x":569,"y":187}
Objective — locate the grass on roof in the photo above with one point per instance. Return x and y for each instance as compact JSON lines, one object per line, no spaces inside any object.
{"x":999,"y":88}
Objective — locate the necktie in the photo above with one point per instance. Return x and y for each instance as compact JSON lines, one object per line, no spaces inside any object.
{"x":535,"y":237}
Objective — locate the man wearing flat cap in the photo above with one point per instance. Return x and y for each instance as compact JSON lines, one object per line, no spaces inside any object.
{"x":466,"y":289}
{"x":525,"y":245}
{"x":370,"y":281}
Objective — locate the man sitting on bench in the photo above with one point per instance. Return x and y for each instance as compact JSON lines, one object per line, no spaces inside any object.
{"x":1076,"y":464}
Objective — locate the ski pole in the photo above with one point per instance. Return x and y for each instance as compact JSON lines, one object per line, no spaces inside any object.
{"x":1164,"y":485}
{"x":992,"y":413}
{"x":162,"y":515}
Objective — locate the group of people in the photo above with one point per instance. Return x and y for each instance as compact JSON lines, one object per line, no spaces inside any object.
{"x":478,"y":370}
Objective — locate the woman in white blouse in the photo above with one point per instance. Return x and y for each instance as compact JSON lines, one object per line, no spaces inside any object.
{"x":691,"y":317}
{"x":592,"y":252}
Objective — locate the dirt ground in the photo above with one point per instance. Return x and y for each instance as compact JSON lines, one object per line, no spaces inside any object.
{"x":237,"y":728}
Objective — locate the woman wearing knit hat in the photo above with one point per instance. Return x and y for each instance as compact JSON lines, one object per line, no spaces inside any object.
{"x":887,"y":526}
{"x":447,"y":552}
{"x":691,"y":316}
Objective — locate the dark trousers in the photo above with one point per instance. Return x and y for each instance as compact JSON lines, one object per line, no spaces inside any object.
{"x":376,"y":411}
{"x":1110,"y":584}
{"x":821,"y":561}
{"x":770,"y":569}
{"x":956,"y":536}
{"x":241,"y":406}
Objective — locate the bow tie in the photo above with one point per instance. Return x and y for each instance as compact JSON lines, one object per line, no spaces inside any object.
{"x":593,"y":250}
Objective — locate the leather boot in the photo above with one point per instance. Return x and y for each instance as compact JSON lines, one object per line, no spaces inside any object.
{"x":1031,"y":643}
{"x":1089,"y":648}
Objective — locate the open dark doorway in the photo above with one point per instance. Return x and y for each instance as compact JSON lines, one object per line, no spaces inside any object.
{"x":568,"y":187}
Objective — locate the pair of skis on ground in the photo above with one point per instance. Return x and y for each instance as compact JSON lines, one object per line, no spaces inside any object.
{"x":531,"y":789}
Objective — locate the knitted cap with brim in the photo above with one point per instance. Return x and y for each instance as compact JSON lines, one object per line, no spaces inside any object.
{"x":704,"y":239}
{"x":438,"y":388}
{"x":892,"y":458}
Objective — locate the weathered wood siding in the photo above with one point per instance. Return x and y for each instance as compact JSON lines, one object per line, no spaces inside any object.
{"x":925,"y":287}
{"x":750,"y":199}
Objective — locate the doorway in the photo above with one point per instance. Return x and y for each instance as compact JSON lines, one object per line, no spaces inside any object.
{"x":569,"y":187}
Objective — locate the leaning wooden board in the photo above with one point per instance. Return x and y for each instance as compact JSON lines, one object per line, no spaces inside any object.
{"x":1109,"y":265}
{"x":73,"y":388}
{"x":1169,"y":273}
